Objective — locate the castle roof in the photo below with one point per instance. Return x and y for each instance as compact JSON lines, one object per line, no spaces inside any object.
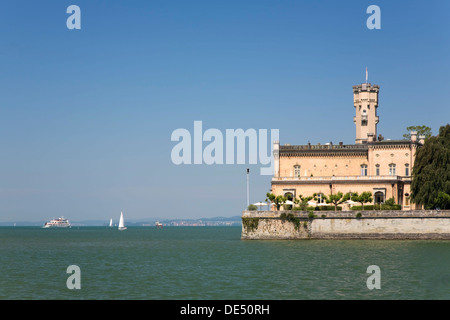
{"x":341,"y":149}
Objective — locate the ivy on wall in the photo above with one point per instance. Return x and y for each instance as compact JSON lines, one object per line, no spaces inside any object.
{"x":250,"y":224}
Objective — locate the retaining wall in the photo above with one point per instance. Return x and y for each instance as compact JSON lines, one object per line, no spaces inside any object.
{"x":415,"y":224}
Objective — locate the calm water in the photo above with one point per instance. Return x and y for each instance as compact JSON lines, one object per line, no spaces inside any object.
{"x":213,"y":263}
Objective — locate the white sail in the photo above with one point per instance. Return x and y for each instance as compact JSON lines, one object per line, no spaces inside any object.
{"x":110,"y":223}
{"x":121,"y":222}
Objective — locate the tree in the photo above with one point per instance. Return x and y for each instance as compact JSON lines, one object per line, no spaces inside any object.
{"x":337,"y":199}
{"x":277,"y":200}
{"x":302,"y":201}
{"x":362,"y":198}
{"x":421,"y":131}
{"x":431,"y":171}
{"x":442,"y":201}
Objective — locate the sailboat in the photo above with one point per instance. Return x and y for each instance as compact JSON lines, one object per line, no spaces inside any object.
{"x":121,"y":223}
{"x":110,"y":223}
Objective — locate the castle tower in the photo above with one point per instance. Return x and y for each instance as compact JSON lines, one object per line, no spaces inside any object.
{"x":365,"y":100}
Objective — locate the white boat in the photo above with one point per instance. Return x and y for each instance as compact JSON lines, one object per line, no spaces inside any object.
{"x":57,"y":223}
{"x":110,"y":223}
{"x":121,"y":222}
{"x":158,"y":224}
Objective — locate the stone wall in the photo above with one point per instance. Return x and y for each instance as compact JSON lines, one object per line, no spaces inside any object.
{"x":416,"y":224}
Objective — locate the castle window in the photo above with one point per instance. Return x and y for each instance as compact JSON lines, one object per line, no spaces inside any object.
{"x":407,"y":169}
{"x":377,"y":170}
{"x":364,"y":169}
{"x":392,"y":169}
{"x":320,"y":198}
{"x":379,"y":197}
{"x":297,"y":171}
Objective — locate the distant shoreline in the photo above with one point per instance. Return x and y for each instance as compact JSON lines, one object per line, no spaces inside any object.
{"x":205,"y":222}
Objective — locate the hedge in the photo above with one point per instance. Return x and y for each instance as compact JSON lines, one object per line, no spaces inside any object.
{"x":318,"y":208}
{"x":378,"y":207}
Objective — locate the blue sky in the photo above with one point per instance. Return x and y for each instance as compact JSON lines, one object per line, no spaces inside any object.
{"x":86,"y":115}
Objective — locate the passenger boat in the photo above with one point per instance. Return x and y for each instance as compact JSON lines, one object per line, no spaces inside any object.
{"x":57,"y":223}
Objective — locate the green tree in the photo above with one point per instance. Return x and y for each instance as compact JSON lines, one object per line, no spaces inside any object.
{"x":252,"y":207}
{"x":302,"y":202}
{"x":277,"y":200}
{"x":337,"y":199}
{"x":431,"y":171}
{"x":421,"y":131}
{"x":442,"y":201}
{"x":364,"y":197}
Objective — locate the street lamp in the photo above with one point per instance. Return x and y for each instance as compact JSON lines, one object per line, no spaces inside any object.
{"x":248,"y":189}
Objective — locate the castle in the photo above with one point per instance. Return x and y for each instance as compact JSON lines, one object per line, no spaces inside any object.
{"x":373,"y":164}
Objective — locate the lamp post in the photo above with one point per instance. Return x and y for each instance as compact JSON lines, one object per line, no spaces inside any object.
{"x":248,"y":189}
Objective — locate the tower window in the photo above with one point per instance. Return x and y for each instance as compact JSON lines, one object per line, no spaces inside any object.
{"x":364,"y":169}
{"x":377,"y":170}
{"x":406,"y":169}
{"x":364,"y":118}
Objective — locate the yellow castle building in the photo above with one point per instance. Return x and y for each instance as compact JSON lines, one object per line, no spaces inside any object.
{"x":373,"y":164}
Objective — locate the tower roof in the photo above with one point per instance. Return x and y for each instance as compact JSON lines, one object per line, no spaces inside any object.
{"x":366,"y":87}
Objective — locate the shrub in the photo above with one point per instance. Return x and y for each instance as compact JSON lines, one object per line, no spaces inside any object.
{"x":366,"y":207}
{"x":327,"y":208}
{"x":252,"y":207}
{"x":383,"y":206}
{"x":250,"y":224}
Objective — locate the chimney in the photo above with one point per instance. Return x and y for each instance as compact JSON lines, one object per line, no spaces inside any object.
{"x":413,"y":136}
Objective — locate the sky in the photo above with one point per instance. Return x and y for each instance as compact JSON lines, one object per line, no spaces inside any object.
{"x":86,"y":115}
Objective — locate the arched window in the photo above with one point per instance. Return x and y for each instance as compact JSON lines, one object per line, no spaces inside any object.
{"x":364,"y":169}
{"x":289,"y":196}
{"x":406,"y":169}
{"x":379,"y":197}
{"x":392,"y":169}
{"x":364,"y":118}
{"x":377,"y":170}
{"x":297,"y":171}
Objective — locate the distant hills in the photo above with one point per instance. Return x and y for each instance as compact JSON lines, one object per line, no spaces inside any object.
{"x":215,"y":221}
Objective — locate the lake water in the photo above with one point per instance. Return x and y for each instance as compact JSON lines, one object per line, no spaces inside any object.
{"x":209,"y":263}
